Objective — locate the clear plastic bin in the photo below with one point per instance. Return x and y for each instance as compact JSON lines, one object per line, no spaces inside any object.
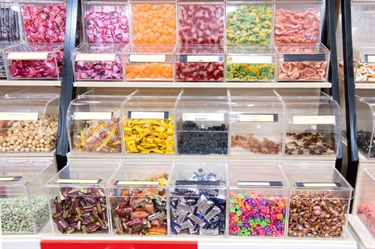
{"x":148,"y":63}
{"x":258,"y":200}
{"x":97,"y":62}
{"x":24,"y":208}
{"x":10,"y":28}
{"x":28,"y":123}
{"x":303,"y":62}
{"x":319,"y":200}
{"x":249,"y":22}
{"x":197,"y":198}
{"x":362,"y":13}
{"x":251,"y":63}
{"x":3,"y":46}
{"x":78,"y":200}
{"x":34,"y":61}
{"x":364,"y":64}
{"x":366,"y":125}
{"x":200,"y":63}
{"x":138,"y":199}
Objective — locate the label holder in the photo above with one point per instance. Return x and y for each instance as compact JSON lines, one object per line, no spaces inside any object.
{"x":129,"y":183}
{"x":244,"y":184}
{"x":79,"y":181}
{"x":148,"y":115}
{"x":250,"y":117}
{"x":318,"y":184}
{"x":304,"y":57}
{"x":10,"y":178}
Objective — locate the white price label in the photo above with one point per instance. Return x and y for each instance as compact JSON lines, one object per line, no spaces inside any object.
{"x":78,"y":181}
{"x":202,"y":58}
{"x":147,"y":58}
{"x":33,"y":116}
{"x":370,"y":58}
{"x":203,"y":117}
{"x":95,"y":57}
{"x":136,"y":183}
{"x":28,"y":56}
{"x":93,"y":116}
{"x":148,"y":115}
{"x":327,"y":119}
{"x":10,"y":178}
{"x":259,"y":183}
{"x":257,"y":118}
{"x":318,"y":184}
{"x":251,"y":59}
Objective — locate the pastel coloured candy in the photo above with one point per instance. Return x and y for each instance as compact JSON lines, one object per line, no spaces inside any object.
{"x":250,"y":72}
{"x":99,"y":70}
{"x":149,"y":71}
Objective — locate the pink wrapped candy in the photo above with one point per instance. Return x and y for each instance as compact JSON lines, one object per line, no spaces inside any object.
{"x":99,"y":70}
{"x":107,"y":24}
{"x":201,"y":24}
{"x":44,"y":23}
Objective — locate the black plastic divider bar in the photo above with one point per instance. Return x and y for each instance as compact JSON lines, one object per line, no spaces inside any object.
{"x":351,"y":123}
{"x":66,"y":94}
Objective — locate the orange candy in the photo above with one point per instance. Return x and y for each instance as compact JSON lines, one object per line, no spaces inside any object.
{"x":154,"y":24}
{"x":149,"y":71}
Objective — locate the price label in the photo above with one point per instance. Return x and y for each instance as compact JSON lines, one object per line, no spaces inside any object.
{"x":188,"y":182}
{"x":259,"y":183}
{"x":203,"y":117}
{"x":318,"y":184}
{"x":328,"y":119}
{"x":28,"y":56}
{"x":257,"y":118}
{"x":199,"y":58}
{"x":10,"y":178}
{"x":252,"y":59}
{"x":93,"y":116}
{"x":124,"y":183}
{"x":369,"y":58}
{"x":304,"y":57}
{"x":147,"y":58}
{"x":96,"y":57}
{"x":19,"y":116}
{"x":148,"y":115}
{"x":78,"y":181}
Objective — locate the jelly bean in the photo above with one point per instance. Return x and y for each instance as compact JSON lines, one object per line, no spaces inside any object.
{"x":44,"y":23}
{"x":250,"y":72}
{"x":9,"y":25}
{"x":249,"y":24}
{"x":153,"y":71}
{"x":107,"y":24}
{"x":154,"y":24}
{"x":296,"y":27}
{"x":201,"y":24}
{"x":99,"y":70}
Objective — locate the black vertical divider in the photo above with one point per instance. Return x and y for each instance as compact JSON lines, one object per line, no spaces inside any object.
{"x":351,"y":123}
{"x":66,"y":94}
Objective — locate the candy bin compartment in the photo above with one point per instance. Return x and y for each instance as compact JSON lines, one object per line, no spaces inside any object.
{"x":251,"y":63}
{"x":200,"y":63}
{"x":258,"y":200}
{"x":298,"y":22}
{"x":303,"y":62}
{"x":34,"y":61}
{"x":97,"y":62}
{"x":197,"y":198}
{"x":10,"y":30}
{"x":319,"y":200}
{"x":249,"y":22}
{"x":28,"y":123}
{"x":257,"y":125}
{"x":23,"y":207}
{"x":3,"y":46}
{"x":201,"y":22}
{"x":138,"y":199}
{"x":202,"y":125}
{"x":312,"y":126}
{"x":153,"y":22}
{"x":148,"y":62}
{"x":44,"y":22}
{"x":77,"y":198}
{"x":105,"y":22}
{"x":364,"y":206}
{"x":365,"y":110}
{"x":148,"y":124}
{"x":94,"y":124}
{"x":364,"y":63}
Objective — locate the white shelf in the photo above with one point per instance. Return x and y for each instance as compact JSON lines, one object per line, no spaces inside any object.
{"x":142,"y":84}
{"x":365,"y":239}
{"x":27,"y":154}
{"x":365,"y":85}
{"x":30,"y":83}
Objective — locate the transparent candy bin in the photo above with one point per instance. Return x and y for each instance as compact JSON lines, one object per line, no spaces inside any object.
{"x":138,"y":201}
{"x":24,"y":208}
{"x":302,"y":62}
{"x":105,"y":22}
{"x":257,"y":125}
{"x":364,"y":203}
{"x":319,"y":200}
{"x":28,"y":123}
{"x":364,"y":64}
{"x":200,"y":63}
{"x":94,"y":124}
{"x":97,"y":62}
{"x":148,"y":63}
{"x":148,"y":124}
{"x":298,"y":22}
{"x":312,"y":126}
{"x":202,"y":125}
{"x":34,"y":61}
{"x":365,"y":110}
{"x":251,"y":63}
{"x":197,"y":198}
{"x":362,"y":12}
{"x":249,"y":22}
{"x":258,"y":199}
{"x":10,"y":30}
{"x":77,"y":198}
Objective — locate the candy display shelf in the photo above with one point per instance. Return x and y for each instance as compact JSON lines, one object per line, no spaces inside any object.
{"x":365,"y":86}
{"x":30,"y":83}
{"x":364,"y":238}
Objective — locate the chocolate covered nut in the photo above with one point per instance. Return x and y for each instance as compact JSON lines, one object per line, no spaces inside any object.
{"x":310,"y":143}
{"x":258,"y":146}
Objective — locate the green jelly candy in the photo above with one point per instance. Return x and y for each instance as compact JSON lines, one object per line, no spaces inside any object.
{"x":232,"y":210}
{"x":238,"y":213}
{"x":239,"y":223}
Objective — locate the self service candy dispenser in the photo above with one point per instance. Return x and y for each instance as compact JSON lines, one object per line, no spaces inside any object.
{"x":365,"y":109}
{"x":138,"y":199}
{"x":364,"y":64}
{"x":197,"y":198}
